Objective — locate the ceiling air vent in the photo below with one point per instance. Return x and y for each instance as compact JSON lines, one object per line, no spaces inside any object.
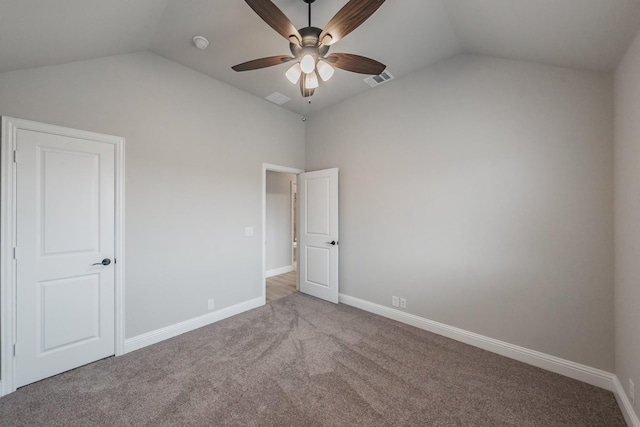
{"x":374,"y":81}
{"x":278,"y":98}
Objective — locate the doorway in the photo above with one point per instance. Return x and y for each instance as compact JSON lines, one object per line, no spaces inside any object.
{"x":280,"y":258}
{"x":316,"y":239}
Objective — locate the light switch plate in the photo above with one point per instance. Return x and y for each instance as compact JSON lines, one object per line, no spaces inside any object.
{"x":248,"y":231}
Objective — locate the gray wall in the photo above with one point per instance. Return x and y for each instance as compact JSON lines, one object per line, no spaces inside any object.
{"x":480,"y":189}
{"x":194,"y":154}
{"x":279,"y":246}
{"x":627,"y":220}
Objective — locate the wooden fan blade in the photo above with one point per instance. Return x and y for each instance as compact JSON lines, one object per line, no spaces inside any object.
{"x":356,"y":63}
{"x":262,"y":63}
{"x":277,"y":20}
{"x":350,"y":17}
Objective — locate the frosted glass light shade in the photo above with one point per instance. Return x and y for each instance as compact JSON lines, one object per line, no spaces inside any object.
{"x":293,"y":73}
{"x":307,"y":64}
{"x":325,"y":70}
{"x":311,"y":81}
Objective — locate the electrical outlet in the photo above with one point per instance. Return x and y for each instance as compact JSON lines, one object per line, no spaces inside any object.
{"x":210,"y":304}
{"x":395,"y":301}
{"x":403,"y":303}
{"x":632,"y":392}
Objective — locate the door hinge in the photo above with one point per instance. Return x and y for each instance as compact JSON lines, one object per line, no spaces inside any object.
{"x":14,"y":350}
{"x":15,"y":156}
{"x":15,"y":253}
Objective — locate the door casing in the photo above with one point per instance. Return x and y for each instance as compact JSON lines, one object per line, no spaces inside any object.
{"x":8,"y":279}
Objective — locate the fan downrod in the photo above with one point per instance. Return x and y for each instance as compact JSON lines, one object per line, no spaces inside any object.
{"x":309,"y":3}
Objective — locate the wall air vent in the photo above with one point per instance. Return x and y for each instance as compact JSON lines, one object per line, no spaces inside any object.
{"x":374,"y":81}
{"x":278,"y":98}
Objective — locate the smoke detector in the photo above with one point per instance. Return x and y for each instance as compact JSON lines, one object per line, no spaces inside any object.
{"x":200,"y":42}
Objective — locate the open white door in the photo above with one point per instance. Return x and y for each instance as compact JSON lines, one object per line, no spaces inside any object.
{"x":318,"y":234}
{"x":65,"y":253}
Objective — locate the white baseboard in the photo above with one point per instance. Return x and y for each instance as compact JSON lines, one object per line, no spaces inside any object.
{"x":278,"y":271}
{"x":560,"y":366}
{"x":630,"y":415}
{"x":153,"y":337}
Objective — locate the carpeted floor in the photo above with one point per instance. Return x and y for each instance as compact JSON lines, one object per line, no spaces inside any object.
{"x":300,"y":361}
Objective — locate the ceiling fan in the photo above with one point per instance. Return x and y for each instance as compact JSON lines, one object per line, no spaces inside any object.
{"x":310,"y":45}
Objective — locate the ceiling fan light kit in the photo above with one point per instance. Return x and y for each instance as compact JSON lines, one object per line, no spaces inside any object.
{"x":310,"y":45}
{"x":311,"y":81}
{"x":293,"y":73}
{"x":307,"y":64}
{"x":325,"y":70}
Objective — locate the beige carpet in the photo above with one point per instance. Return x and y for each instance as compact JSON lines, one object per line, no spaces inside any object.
{"x":299,"y":361}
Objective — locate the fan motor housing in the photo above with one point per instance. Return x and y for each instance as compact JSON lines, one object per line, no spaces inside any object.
{"x":310,"y":41}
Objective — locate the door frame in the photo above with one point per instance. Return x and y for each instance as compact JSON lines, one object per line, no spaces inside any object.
{"x":293,"y":185}
{"x":271,"y":168}
{"x":8,"y":279}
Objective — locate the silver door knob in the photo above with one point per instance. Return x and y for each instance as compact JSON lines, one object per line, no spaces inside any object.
{"x":105,"y":261}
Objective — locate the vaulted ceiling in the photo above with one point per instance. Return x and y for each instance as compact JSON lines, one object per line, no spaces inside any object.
{"x":406,"y":35}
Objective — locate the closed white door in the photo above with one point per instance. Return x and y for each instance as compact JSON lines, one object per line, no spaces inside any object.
{"x":318,"y":254}
{"x":65,"y":229}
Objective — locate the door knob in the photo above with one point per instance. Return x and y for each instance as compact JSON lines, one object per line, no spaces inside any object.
{"x":105,"y":261}
{"x":332,"y":243}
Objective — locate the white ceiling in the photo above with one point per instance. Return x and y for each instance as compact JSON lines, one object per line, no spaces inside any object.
{"x":34,"y":33}
{"x":585,"y":34}
{"x":406,"y":35}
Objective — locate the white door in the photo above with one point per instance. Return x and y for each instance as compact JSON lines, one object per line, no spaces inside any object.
{"x":65,"y":229}
{"x":318,"y":247}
